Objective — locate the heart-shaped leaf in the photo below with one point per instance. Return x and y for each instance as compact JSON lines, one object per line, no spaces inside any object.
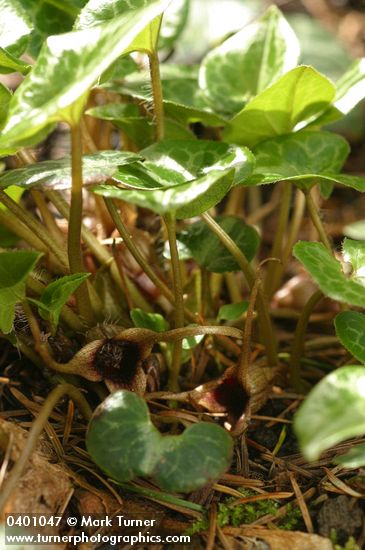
{"x":97,"y":12}
{"x":210,"y":253}
{"x":332,"y":412}
{"x":292,"y":102}
{"x":185,"y":177}
{"x":177,"y":463}
{"x":350,"y":329}
{"x":305,"y":158}
{"x":249,"y":62}
{"x":327,"y":273}
{"x":56,"y":294}
{"x":67,"y":67}
{"x":97,"y":167}
{"x":14,"y":269}
{"x":185,"y":199}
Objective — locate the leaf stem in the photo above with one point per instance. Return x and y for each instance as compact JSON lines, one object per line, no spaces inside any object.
{"x":37,"y":228}
{"x":157,"y":94}
{"x":36,"y":430}
{"x":99,"y":251}
{"x":316,"y":219}
{"x":75,"y":222}
{"x":170,"y":222}
{"x":265,"y":324}
{"x":138,"y":256}
{"x":294,"y":225}
{"x":274,"y":270}
{"x":298,"y":343}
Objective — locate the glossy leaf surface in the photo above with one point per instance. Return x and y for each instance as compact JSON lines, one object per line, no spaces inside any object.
{"x":292,"y":102}
{"x":177,"y":463}
{"x":67,"y":66}
{"x":210,"y":253}
{"x":306,"y":158}
{"x":249,"y":62}
{"x":56,"y":174}
{"x":15,"y":26}
{"x":186,"y":177}
{"x":327,"y":272}
{"x":333,"y":411}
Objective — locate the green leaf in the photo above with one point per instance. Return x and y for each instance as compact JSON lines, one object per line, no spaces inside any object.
{"x":354,"y":252}
{"x":304,"y":157}
{"x":173,"y":23}
{"x":49,"y":17}
{"x":350,"y":329}
{"x":186,"y":160}
{"x":232,"y":312}
{"x":97,"y":167}
{"x":186,"y":177}
{"x":332,"y":412}
{"x":14,"y":269}
{"x":56,"y":294}
{"x":97,"y":12}
{"x":10,"y":64}
{"x":67,"y":67}
{"x":138,"y":128}
{"x":350,"y":87}
{"x":182,"y":98}
{"x":5,"y":97}
{"x":192,"y":341}
{"x":327,"y":273}
{"x":249,"y":62}
{"x":152,"y":321}
{"x":289,"y":104}
{"x":177,"y":463}
{"x":15,"y":26}
{"x":355,"y":458}
{"x":185,"y":199}
{"x":210,"y":253}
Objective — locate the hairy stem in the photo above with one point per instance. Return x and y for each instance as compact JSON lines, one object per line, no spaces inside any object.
{"x":316,"y":220}
{"x":299,"y":337}
{"x":170,"y":222}
{"x":265,"y":325}
{"x":75,"y":222}
{"x":36,"y":430}
{"x":157,"y":94}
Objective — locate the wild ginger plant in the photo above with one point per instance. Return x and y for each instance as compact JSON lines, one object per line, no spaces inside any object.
{"x":180,"y":142}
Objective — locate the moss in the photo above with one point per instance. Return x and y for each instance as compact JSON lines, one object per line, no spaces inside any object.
{"x":350,"y":544}
{"x":291,"y":519}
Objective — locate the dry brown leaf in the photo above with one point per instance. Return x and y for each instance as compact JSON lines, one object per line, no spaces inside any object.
{"x":277,"y":539}
{"x":44,"y":488}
